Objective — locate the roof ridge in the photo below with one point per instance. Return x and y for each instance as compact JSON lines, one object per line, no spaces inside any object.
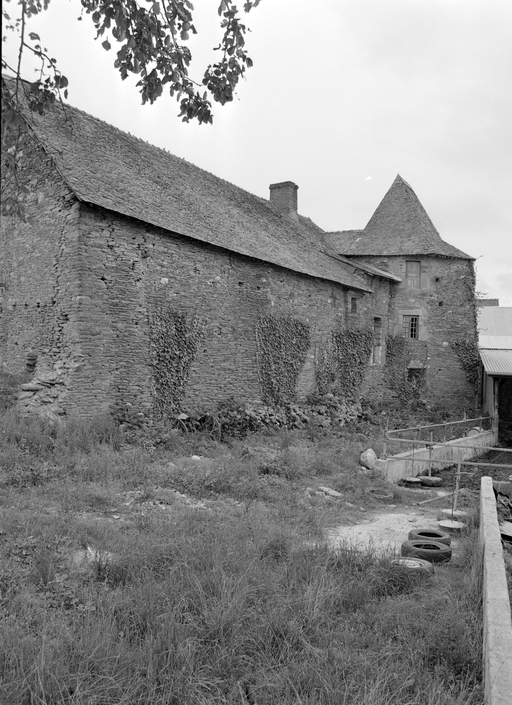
{"x":68,"y":106}
{"x":115,"y":170}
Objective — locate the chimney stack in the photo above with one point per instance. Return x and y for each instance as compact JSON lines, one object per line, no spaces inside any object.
{"x":283,"y":196}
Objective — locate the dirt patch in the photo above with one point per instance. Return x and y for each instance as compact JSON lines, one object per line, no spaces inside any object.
{"x":385,"y":531}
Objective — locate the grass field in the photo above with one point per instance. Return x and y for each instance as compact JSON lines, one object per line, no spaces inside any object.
{"x":136,"y":573}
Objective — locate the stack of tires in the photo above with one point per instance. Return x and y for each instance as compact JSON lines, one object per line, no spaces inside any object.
{"x":423,"y":548}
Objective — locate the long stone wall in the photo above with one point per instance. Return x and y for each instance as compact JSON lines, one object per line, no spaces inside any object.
{"x":129,"y":268}
{"x":80,"y":285}
{"x":39,"y":275}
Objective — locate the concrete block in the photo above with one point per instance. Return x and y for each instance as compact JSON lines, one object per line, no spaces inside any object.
{"x":497,"y":637}
{"x":410,"y":464}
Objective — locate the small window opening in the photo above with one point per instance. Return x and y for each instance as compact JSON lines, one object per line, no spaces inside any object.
{"x":440,"y":303}
{"x":353,"y":305}
{"x":412,"y":274}
{"x":416,"y":375}
{"x":411,"y":326}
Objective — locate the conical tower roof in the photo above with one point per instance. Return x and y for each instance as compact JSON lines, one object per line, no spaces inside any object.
{"x":400,"y":226}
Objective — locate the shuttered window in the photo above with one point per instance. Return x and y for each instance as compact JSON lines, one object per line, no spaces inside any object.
{"x":412,"y":274}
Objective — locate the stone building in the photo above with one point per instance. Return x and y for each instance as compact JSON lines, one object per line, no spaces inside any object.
{"x":433,"y":306}
{"x":143,"y":282}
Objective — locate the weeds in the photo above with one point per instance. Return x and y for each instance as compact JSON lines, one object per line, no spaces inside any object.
{"x":189,"y":606}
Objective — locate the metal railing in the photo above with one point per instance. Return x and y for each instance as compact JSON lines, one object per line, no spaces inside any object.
{"x":435,"y":434}
{"x":416,"y":431}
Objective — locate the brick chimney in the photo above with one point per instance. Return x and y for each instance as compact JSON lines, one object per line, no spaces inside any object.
{"x":283,"y":196}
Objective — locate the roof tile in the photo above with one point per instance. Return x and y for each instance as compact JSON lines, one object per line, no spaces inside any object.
{"x":115,"y":170}
{"x":399,"y":226}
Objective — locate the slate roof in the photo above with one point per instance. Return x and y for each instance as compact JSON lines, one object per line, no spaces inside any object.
{"x":352,"y":266}
{"x":115,"y":170}
{"x":399,"y":226}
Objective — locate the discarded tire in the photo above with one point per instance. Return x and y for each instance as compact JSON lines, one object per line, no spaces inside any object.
{"x":430,"y":535}
{"x":412,"y":481}
{"x":414,"y":564}
{"x":427,"y":481}
{"x":431,"y":551}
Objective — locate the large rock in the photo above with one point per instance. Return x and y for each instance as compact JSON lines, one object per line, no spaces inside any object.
{"x":368,"y":458}
{"x":329,"y":491}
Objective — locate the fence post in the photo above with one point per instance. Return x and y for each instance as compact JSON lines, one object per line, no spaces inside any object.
{"x":457,"y":485}
{"x":385,"y":444}
{"x":430,"y":454}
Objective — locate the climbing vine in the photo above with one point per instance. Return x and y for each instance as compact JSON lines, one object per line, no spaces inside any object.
{"x":398,"y":356}
{"x":283,"y":344}
{"x":342,"y":365}
{"x":467,"y":352}
{"x":174,"y":339}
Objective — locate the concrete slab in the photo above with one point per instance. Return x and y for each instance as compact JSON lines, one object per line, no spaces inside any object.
{"x":409,"y":464}
{"x":497,"y":646}
{"x":384,"y":532}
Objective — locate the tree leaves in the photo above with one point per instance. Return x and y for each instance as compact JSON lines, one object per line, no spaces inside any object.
{"x":154,"y":46}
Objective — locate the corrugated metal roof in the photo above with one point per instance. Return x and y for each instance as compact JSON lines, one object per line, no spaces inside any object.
{"x":497,"y":363}
{"x":496,"y":342}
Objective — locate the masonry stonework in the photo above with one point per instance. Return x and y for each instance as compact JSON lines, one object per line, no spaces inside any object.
{"x":39,"y":276}
{"x":122,"y":254}
{"x":129,"y":267}
{"x":445,"y":305}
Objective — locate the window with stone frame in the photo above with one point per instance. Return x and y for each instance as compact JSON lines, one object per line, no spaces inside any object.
{"x":411,"y":326}
{"x":413,"y":274}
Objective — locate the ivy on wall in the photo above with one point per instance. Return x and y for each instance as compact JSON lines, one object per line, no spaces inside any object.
{"x":283,"y":344}
{"x":398,"y":356}
{"x":341,"y":367}
{"x":174,"y":339}
{"x":467,"y":352}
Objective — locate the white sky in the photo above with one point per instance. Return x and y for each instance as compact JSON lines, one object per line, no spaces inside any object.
{"x":344,"y":94}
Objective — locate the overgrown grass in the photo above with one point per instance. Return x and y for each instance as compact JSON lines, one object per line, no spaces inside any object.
{"x":204,"y":605}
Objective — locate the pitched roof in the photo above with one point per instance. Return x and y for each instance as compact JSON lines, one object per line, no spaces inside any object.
{"x":352,"y":266}
{"x":115,"y":170}
{"x":399,"y":226}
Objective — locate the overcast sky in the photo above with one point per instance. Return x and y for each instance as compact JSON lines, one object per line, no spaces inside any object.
{"x":344,"y":94}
